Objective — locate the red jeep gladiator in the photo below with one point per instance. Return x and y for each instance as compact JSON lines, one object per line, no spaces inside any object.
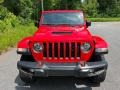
{"x":62,"y":46}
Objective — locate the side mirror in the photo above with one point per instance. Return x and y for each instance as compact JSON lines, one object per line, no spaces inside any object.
{"x":88,"y":23}
{"x":36,"y":23}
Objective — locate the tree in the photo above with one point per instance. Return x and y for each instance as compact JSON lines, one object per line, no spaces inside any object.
{"x":112,"y":8}
{"x":30,"y":9}
{"x":22,"y":8}
{"x":108,"y":8}
{"x":118,"y":8}
{"x":90,"y":7}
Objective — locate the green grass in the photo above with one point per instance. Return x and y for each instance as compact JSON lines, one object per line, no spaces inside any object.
{"x":104,"y":19}
{"x":11,"y":37}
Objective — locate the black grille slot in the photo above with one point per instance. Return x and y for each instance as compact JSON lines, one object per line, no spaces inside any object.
{"x":61,"y":50}
{"x":50,"y":49}
{"x":72,"y":49}
{"x":45,"y":50}
{"x":78,"y":49}
{"x":67,"y":50}
{"x":56,"y":50}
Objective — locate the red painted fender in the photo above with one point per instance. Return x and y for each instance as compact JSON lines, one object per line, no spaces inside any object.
{"x":99,"y":42}
{"x":101,"y":47}
{"x":24,"y":43}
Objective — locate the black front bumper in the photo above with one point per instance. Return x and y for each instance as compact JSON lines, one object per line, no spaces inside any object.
{"x":62,"y":69}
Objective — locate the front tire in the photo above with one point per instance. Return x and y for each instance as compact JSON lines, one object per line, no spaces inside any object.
{"x":99,"y":78}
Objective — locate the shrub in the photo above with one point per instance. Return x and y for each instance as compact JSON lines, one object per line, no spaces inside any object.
{"x":2,"y":26}
{"x":11,"y":37}
{"x":7,"y":20}
{"x":3,"y":12}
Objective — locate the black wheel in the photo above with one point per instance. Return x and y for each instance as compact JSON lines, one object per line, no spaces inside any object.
{"x":25,"y":77}
{"x":98,"y":79}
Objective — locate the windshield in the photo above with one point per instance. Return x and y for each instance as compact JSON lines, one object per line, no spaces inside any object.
{"x":63,"y":18}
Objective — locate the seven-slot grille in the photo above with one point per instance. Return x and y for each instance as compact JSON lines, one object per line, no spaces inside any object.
{"x":61,"y":50}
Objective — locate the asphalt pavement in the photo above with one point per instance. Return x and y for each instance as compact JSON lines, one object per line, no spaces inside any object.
{"x":110,"y":31}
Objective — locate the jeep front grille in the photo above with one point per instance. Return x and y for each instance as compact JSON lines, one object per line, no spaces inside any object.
{"x":65,"y":50}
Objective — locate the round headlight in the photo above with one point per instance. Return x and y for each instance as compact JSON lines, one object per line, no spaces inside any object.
{"x":37,"y":48}
{"x":85,"y":47}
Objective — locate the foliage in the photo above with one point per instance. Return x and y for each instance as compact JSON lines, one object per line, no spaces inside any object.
{"x":1,"y":1}
{"x":21,"y":8}
{"x":90,"y":8}
{"x":11,"y":30}
{"x":103,"y":19}
{"x":11,"y":37}
{"x":30,"y":9}
{"x":7,"y":20}
{"x":3,"y":12}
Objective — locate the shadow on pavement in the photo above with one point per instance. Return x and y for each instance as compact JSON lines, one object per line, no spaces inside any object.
{"x":56,"y":83}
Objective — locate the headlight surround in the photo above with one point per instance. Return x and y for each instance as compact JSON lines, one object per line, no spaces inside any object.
{"x":85,"y":47}
{"x":37,"y":47}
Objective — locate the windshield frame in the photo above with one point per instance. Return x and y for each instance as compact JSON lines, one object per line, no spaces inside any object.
{"x":41,"y":20}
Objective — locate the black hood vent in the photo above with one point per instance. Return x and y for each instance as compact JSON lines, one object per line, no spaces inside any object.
{"x":62,"y":33}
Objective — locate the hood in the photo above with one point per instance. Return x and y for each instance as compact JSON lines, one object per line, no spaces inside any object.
{"x":60,"y":33}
